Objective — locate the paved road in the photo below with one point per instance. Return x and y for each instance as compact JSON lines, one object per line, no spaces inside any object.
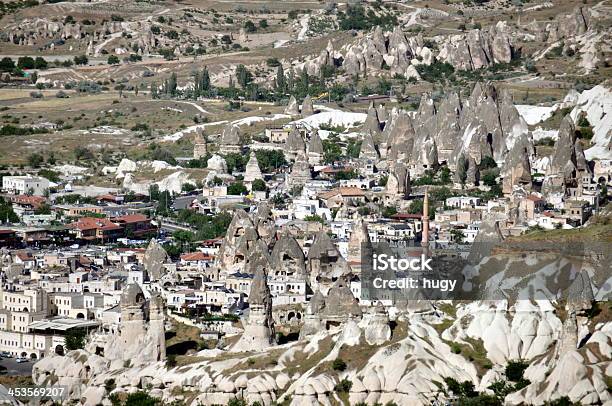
{"x":13,"y":368}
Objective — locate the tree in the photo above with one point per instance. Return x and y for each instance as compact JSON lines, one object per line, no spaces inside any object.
{"x":82,"y":153}
{"x":237,"y":188}
{"x":164,"y":203}
{"x":338,"y":364}
{"x":141,"y":399}
{"x":35,"y":159}
{"x":7,"y":64}
{"x":6,"y":212}
{"x":75,"y":340}
{"x":270,"y":160}
{"x":43,"y":209}
{"x":249,"y":26}
{"x":458,"y":236}
{"x":259,"y":185}
{"x":389,"y":211}
{"x":353,"y":148}
{"x":81,"y":60}
{"x":243,"y":76}
{"x":25,"y":62}
{"x":263,"y":24}
{"x":113,"y":60}
{"x":172,"y":85}
{"x":281,"y":81}
{"x":462,"y":166}
{"x":154,"y":92}
{"x":40,"y":63}
{"x":188,"y":187}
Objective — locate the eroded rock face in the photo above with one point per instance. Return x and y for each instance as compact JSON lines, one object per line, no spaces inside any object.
{"x":240,"y":238}
{"x":154,"y":259}
{"x":295,"y":144}
{"x":217,"y":163}
{"x":315,"y":148}
{"x":516,"y":171}
{"x":568,"y":163}
{"x":300,"y":171}
{"x":252,"y":171}
{"x":324,"y":261}
{"x":259,"y":327}
{"x":400,"y":54}
{"x":230,"y":139}
{"x":372,"y":124}
{"x":307,"y":107}
{"x":368,"y":149}
{"x":292,"y":108}
{"x":288,"y":259}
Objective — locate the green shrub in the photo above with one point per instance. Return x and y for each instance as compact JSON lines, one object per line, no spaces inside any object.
{"x":338,"y":364}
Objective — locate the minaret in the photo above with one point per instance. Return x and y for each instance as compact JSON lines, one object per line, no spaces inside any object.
{"x":425,"y":221}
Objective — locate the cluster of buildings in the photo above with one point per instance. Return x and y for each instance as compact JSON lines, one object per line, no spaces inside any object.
{"x":292,"y":254}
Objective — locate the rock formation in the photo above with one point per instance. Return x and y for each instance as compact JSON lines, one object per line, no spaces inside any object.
{"x":240,"y":238}
{"x":141,"y":339}
{"x":288,"y":259}
{"x":154,"y":259}
{"x":252,"y":171}
{"x":567,"y":164}
{"x":230,"y":139}
{"x":259,"y":327}
{"x":324,"y":261}
{"x":372,"y":124}
{"x":295,"y":144}
{"x":368,"y":150}
{"x":217,"y":164}
{"x":358,"y":241}
{"x":307,"y":107}
{"x":292,"y":108}
{"x":315,"y":148}
{"x":300,"y":172}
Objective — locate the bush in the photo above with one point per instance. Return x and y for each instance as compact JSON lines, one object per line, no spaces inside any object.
{"x":113,"y":60}
{"x":61,"y":95}
{"x":259,"y":185}
{"x":36,"y":95}
{"x":273,"y":62}
{"x":515,"y":370}
{"x":81,"y":60}
{"x":338,"y":364}
{"x":75,"y":340}
{"x":237,"y":188}
{"x":141,"y":399}
{"x":249,"y":26}
{"x":344,"y":385}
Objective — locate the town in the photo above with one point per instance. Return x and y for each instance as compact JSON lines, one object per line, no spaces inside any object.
{"x":208,"y":220}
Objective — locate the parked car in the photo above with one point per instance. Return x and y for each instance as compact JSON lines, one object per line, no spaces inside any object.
{"x":5,"y":354}
{"x":20,"y":360}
